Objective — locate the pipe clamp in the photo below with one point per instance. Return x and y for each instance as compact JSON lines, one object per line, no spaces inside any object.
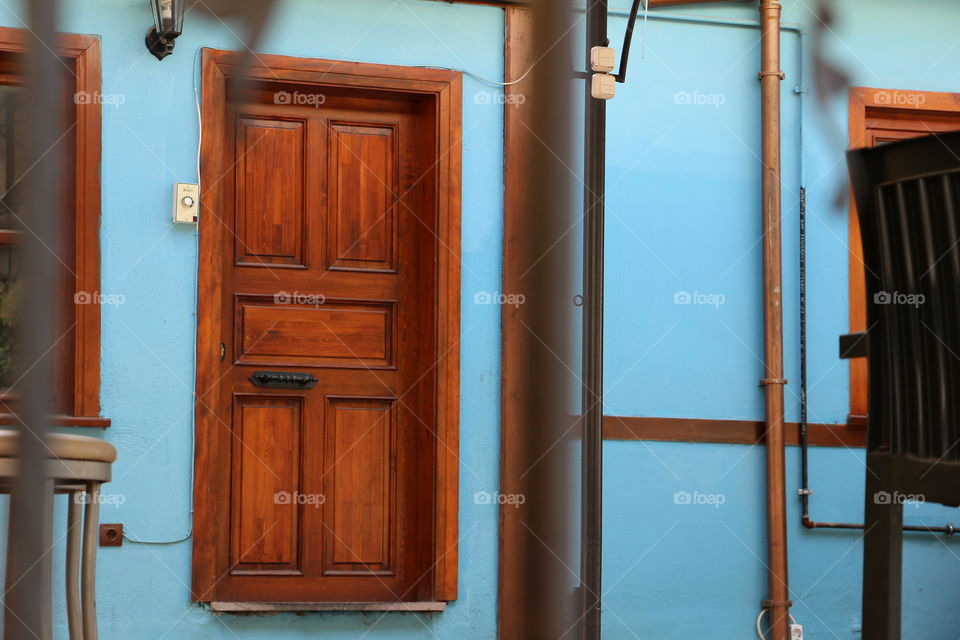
{"x":769,"y":604}
{"x":766,"y":381}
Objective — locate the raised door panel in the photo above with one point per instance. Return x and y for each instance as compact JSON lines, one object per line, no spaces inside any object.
{"x":270,"y":192}
{"x":331,"y":334}
{"x":362,"y":217}
{"x":360,"y":508}
{"x":266,"y":481}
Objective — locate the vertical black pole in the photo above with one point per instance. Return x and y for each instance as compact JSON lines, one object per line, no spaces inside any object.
{"x":27,"y":614}
{"x":593,"y":203}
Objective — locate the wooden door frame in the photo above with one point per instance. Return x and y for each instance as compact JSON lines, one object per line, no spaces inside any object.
{"x":444,"y":89}
{"x":515,"y":338}
{"x":863,"y":102}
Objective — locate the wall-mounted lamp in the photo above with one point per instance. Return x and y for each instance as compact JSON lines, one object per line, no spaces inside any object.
{"x":168,"y":24}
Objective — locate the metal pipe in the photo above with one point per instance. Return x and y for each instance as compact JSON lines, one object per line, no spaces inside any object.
{"x":773,"y":382}
{"x":707,"y":20}
{"x":595,"y":131}
{"x":804,"y":490}
{"x":949,"y":529}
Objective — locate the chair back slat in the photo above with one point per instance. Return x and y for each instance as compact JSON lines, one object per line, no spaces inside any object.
{"x":908,"y":204}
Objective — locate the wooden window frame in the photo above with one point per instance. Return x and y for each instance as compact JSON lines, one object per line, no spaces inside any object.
{"x":868,"y":105}
{"x":445,"y":89}
{"x":81,"y":53}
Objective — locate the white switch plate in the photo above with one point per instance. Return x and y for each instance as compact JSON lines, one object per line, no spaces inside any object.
{"x":186,"y":203}
{"x":603,"y":86}
{"x":602,"y":59}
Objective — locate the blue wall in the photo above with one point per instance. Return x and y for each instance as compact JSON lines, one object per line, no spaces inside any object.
{"x":150,"y":142}
{"x":683,"y":220}
{"x":684,"y":217}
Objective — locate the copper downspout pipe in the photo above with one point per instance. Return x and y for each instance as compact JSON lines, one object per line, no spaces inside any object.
{"x":770,"y":78}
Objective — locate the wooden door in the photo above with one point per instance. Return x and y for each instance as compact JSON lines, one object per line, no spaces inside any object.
{"x":327,"y":377}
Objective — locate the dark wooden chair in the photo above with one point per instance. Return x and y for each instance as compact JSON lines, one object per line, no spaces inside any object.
{"x":908,"y":203}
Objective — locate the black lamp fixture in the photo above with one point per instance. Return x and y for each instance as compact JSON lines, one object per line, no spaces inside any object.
{"x":168,"y":24}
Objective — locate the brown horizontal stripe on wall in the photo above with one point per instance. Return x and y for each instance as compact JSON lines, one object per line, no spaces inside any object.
{"x":727,"y":431}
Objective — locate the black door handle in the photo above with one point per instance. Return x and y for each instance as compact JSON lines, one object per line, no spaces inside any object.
{"x":283,"y":380}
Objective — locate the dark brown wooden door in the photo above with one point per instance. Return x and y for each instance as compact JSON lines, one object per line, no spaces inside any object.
{"x":328,"y":270}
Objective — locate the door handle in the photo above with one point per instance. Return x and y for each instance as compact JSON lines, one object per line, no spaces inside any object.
{"x":283,"y":380}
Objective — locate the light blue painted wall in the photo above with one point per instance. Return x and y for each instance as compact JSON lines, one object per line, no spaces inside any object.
{"x":150,"y":142}
{"x":683,"y":215}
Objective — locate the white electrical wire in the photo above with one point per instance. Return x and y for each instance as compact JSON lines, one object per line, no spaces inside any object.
{"x":196,"y":97}
{"x":760,"y":617}
{"x":492,"y":83}
{"x":196,"y":296}
{"x":643,"y":30}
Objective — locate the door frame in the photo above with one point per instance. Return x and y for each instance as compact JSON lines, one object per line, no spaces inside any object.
{"x":445,"y":90}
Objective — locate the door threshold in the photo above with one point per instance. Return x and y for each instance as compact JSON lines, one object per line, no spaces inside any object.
{"x":277,"y":607}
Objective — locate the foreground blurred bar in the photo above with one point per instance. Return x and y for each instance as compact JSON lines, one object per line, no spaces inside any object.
{"x":27,"y":601}
{"x":548,"y":260}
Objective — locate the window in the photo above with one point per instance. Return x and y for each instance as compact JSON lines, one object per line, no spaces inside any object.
{"x":76,"y":393}
{"x":878,"y":116}
{"x":11,"y":164}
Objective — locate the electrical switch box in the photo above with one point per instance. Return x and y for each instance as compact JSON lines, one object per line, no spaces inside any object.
{"x":603,"y":86}
{"x":186,"y":203}
{"x":602,"y":59}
